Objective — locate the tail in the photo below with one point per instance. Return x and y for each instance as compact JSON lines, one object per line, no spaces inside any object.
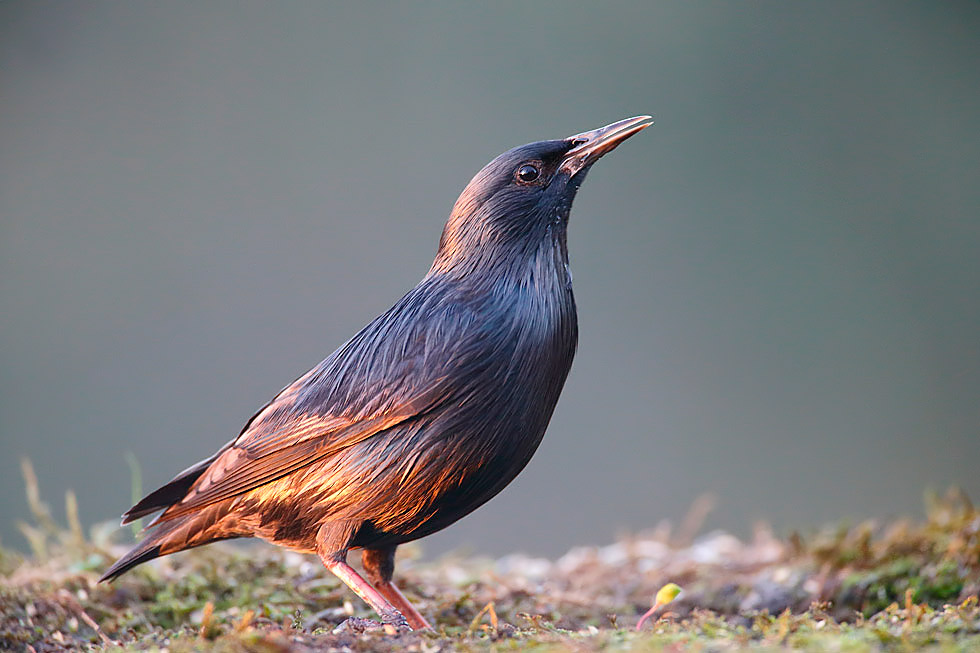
{"x":147,"y":550}
{"x":184,"y":532}
{"x":162,"y":498}
{"x":193,"y":530}
{"x":175,"y":490}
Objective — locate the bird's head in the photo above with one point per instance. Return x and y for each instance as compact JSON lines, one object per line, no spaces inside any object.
{"x":523,"y":196}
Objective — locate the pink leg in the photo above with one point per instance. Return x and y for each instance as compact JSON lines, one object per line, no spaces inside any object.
{"x":389,"y":614}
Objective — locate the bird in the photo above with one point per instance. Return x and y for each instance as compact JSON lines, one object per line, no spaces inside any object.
{"x":427,"y":412}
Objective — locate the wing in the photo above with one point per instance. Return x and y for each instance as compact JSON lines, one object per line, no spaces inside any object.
{"x":403,"y":365}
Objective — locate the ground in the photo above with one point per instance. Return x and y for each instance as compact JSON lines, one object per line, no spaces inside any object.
{"x":869,"y":587}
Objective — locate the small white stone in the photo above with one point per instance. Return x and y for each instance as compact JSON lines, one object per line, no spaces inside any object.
{"x":614,"y":554}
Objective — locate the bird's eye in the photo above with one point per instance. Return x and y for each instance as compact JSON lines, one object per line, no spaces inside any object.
{"x":528,"y":173}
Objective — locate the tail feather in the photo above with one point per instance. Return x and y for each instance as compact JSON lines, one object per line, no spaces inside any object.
{"x":145,"y":551}
{"x":186,"y":532}
{"x":175,"y":490}
{"x":163,"y":497}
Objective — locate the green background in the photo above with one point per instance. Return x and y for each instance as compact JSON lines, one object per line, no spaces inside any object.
{"x":777,"y":283}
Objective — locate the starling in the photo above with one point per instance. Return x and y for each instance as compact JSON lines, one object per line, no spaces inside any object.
{"x":425,"y":414}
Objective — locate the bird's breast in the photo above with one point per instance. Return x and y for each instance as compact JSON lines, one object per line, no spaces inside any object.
{"x":530,"y":339}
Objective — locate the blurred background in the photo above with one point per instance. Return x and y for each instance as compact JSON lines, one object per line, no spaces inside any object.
{"x":778,"y":283}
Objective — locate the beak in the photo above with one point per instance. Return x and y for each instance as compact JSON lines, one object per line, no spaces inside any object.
{"x":587,"y":147}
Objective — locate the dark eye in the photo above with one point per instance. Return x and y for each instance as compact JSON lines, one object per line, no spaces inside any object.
{"x":528,"y":173}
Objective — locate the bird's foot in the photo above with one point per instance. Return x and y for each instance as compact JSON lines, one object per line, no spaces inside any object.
{"x":391,"y":625}
{"x":357,"y":625}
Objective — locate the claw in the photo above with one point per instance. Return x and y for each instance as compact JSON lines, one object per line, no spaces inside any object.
{"x":391,"y":625}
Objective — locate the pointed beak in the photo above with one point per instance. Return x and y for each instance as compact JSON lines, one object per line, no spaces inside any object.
{"x":587,"y":147}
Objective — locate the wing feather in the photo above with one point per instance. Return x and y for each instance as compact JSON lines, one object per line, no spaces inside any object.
{"x":243,"y":467}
